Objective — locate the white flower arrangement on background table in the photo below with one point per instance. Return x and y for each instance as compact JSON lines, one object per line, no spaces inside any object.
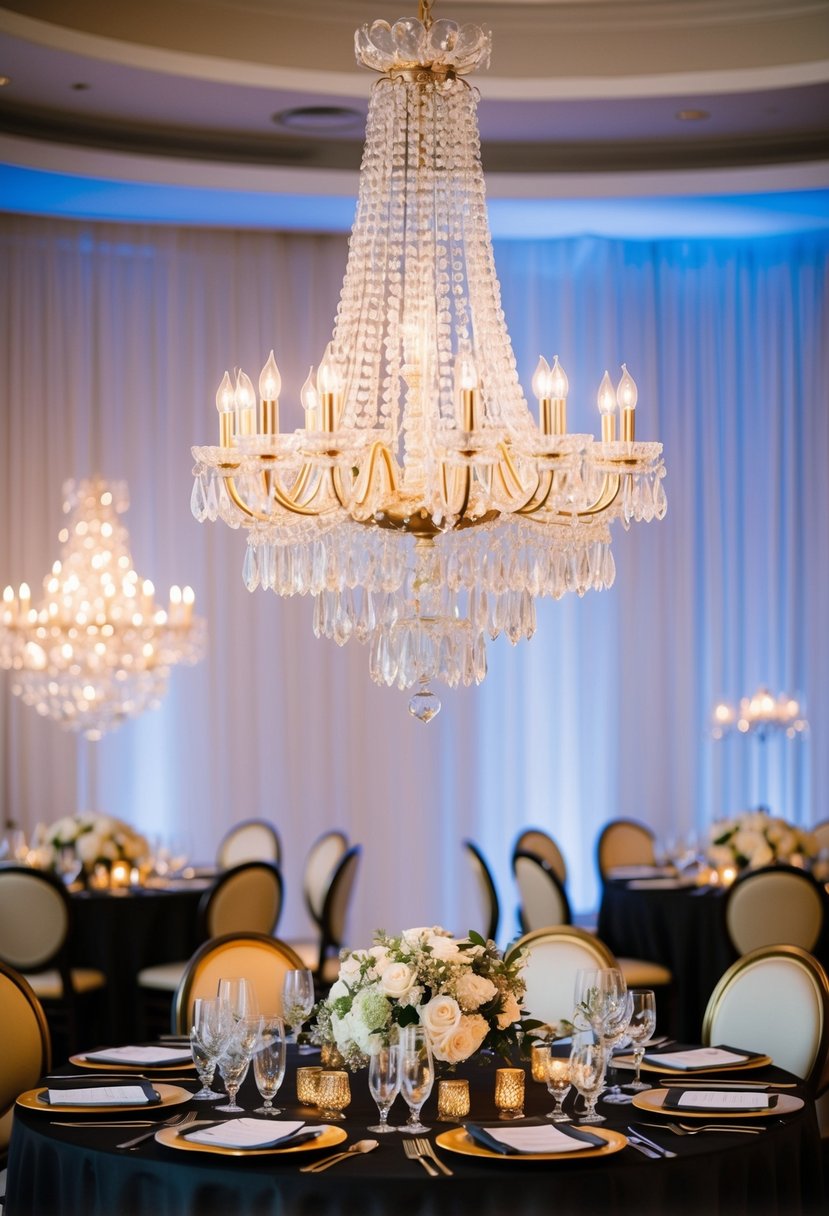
{"x":755,"y":838}
{"x":464,"y":991}
{"x":95,"y":838}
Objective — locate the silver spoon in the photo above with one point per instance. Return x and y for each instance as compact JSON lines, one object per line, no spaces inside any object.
{"x":360,"y":1146}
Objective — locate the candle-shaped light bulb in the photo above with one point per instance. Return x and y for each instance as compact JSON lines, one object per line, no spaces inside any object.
{"x":24,"y":595}
{"x":466,"y":380}
{"x":541,"y":379}
{"x":328,"y":387}
{"x":310,"y":401}
{"x":225,"y":406}
{"x":627,"y":396}
{"x":606,"y":398}
{"x":147,"y":593}
{"x":175,"y":604}
{"x":244,"y":398}
{"x":558,"y":380}
{"x":188,"y":599}
{"x":270,"y":385}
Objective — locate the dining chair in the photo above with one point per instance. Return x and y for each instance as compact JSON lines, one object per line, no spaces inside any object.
{"x":249,"y":840}
{"x":26,"y":1046}
{"x":320,"y":866}
{"x":544,"y":900}
{"x":624,"y":842}
{"x":35,"y":939}
{"x":320,"y":957}
{"x":244,"y":899}
{"x":541,"y":843}
{"x":821,"y":834}
{"x":254,"y":956}
{"x":489,"y":908}
{"x":774,"y":906}
{"x":775,"y":1000}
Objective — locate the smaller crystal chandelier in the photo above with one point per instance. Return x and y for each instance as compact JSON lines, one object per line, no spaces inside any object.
{"x":760,"y":715}
{"x":97,"y":649}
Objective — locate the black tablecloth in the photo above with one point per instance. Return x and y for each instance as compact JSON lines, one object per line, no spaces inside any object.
{"x":56,"y":1171}
{"x":121,"y":933}
{"x":684,"y":929}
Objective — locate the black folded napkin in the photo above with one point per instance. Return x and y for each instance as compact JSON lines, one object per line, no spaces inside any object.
{"x":301,"y":1136}
{"x":62,"y":1084}
{"x":478,"y":1132}
{"x":673,"y":1101}
{"x":652,"y":1057}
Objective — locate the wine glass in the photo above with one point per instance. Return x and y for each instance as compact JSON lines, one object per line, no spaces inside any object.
{"x":613,"y":1033}
{"x":297,"y":1000}
{"x":239,"y":997}
{"x":598,"y":993}
{"x":269,"y":1062}
{"x":641,"y":1028}
{"x":587,"y":1065}
{"x":68,"y":864}
{"x":209,"y":1030}
{"x":235,"y":1058}
{"x":384,"y":1081}
{"x":417,"y":1074}
{"x":559,"y":1083}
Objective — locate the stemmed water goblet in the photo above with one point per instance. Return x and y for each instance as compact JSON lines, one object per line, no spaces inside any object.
{"x":559,"y":1083}
{"x":297,"y":1001}
{"x":587,"y":1066}
{"x":417,"y":1075}
{"x":269,"y":1062}
{"x":641,"y":1028}
{"x":613,"y":1033}
{"x":239,"y":997}
{"x":236,"y":1056}
{"x":209,"y":1031}
{"x":384,"y":1081}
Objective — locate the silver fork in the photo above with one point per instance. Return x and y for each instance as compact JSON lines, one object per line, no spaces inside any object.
{"x":413,"y":1153}
{"x":173,"y":1121}
{"x":681,"y":1129}
{"x":427,"y":1149}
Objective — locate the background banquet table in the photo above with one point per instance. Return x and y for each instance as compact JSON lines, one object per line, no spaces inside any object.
{"x":121,"y":932}
{"x":684,"y":929}
{"x":56,"y":1171}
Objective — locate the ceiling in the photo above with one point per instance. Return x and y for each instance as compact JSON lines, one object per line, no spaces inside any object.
{"x":584,"y":98}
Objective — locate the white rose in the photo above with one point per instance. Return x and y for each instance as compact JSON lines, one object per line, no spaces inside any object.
{"x":380,"y":957}
{"x":396,"y":980}
{"x":755,"y":821}
{"x":64,"y":831}
{"x":747,"y":842}
{"x":787,"y":843}
{"x":88,"y":847}
{"x":446,"y":949}
{"x":462,"y":1041}
{"x":343,"y":1028}
{"x":510,"y":1013}
{"x":763,"y":856}
{"x":473,"y":991}
{"x":338,"y":988}
{"x":350,"y":967}
{"x":441,"y":1014}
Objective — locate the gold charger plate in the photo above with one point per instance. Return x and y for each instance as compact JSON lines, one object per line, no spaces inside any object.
{"x":457,"y":1141}
{"x":171,"y":1095}
{"x":694,"y":1073}
{"x":104,"y":1066}
{"x":327,"y":1139}
{"x":652,"y":1099}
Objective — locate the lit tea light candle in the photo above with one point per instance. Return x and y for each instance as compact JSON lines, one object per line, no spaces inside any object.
{"x":119,"y":875}
{"x":453,"y":1101}
{"x":308,"y":1085}
{"x":539,"y":1059}
{"x":509,"y":1092}
{"x":334,"y":1094}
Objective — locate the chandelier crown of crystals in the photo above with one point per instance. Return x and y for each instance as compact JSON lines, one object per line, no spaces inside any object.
{"x":761,"y":714}
{"x":422,"y":505}
{"x":98,"y":648}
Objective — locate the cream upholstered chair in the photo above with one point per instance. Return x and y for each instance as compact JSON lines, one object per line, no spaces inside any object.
{"x":245,"y":899}
{"x":254,"y":956}
{"x":543,"y":898}
{"x":320,"y":866}
{"x":539,"y":842}
{"x":25,"y":1044}
{"x":775,"y":1000}
{"x":322,"y":958}
{"x":821,"y":834}
{"x":35,"y":930}
{"x":249,"y":840}
{"x":624,"y":842}
{"x":774,"y":906}
{"x":489,"y":908}
{"x":554,"y":956}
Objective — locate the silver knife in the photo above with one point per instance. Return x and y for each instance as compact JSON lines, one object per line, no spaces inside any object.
{"x":657,"y":1148}
{"x":640,"y":1148}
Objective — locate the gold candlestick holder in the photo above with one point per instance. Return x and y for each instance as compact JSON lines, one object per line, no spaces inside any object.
{"x":509,"y":1092}
{"x":334,"y":1095}
{"x":539,"y":1061}
{"x":453,"y":1101}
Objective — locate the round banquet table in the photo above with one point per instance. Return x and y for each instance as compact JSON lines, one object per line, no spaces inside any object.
{"x":121,"y":932}
{"x":64,"y":1171}
{"x":684,"y":929}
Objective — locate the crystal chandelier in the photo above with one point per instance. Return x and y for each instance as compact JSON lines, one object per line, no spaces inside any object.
{"x":422,"y":506}
{"x":761,"y":715}
{"x":98,"y":648}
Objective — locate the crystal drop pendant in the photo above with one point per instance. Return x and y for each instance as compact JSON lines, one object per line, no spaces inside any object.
{"x":198,"y":506}
{"x":424,"y":705}
{"x":250,"y":568}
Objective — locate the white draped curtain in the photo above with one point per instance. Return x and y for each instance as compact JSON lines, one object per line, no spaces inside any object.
{"x":113,"y":340}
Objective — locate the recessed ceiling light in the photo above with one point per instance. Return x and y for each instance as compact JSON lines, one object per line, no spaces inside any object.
{"x":4,"y":80}
{"x":692,"y":115}
{"x":319,"y":120}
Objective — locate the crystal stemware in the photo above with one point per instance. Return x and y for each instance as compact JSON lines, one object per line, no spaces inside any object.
{"x":297,"y":1000}
{"x":614,"y":1033}
{"x":384,"y":1082}
{"x":209,"y":1030}
{"x":235,"y":1059}
{"x":417,"y":1075}
{"x":269,"y":1062}
{"x":559,"y":1084}
{"x":641,"y":1028}
{"x":239,"y":996}
{"x":587,"y":1066}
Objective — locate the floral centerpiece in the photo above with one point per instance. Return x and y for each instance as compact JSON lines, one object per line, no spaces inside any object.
{"x":94,"y":838}
{"x":464,"y":991}
{"x":756,"y":839}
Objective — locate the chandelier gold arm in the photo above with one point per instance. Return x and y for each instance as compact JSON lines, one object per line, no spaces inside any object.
{"x":378,"y":450}
{"x":282,"y":499}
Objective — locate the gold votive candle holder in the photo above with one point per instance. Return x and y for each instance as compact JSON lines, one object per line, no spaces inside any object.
{"x":308,"y":1085}
{"x":539,"y":1057}
{"x":453,"y":1101}
{"x":509,"y":1092}
{"x":331,"y":1056}
{"x":334,"y":1094}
